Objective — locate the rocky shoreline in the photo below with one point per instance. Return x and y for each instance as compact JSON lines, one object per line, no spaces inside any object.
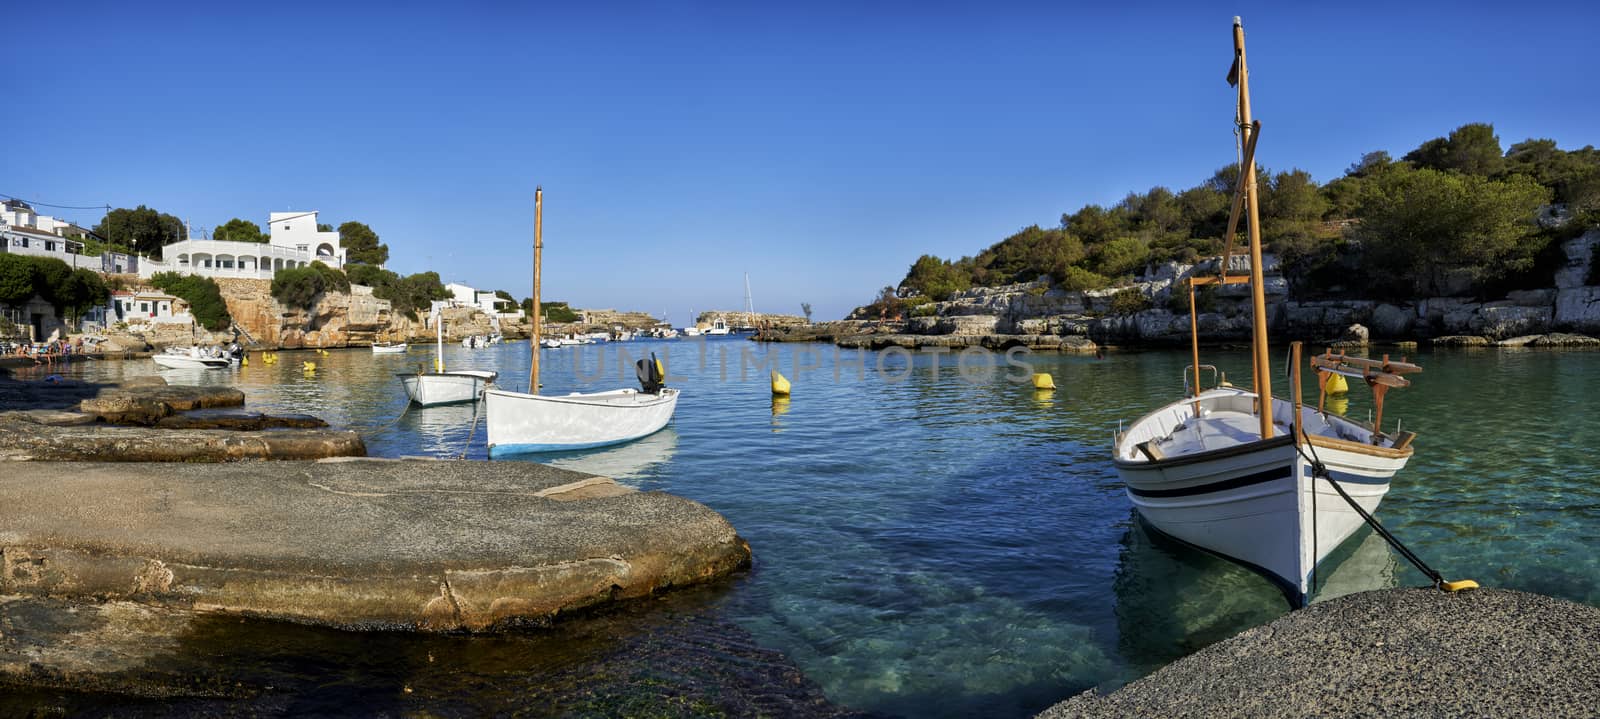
{"x":1153,"y":313}
{"x":120,"y":501}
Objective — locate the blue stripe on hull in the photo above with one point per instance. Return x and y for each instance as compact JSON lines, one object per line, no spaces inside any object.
{"x":506,"y":450}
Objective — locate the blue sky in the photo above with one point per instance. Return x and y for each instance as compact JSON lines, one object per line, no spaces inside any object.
{"x":818,"y":146}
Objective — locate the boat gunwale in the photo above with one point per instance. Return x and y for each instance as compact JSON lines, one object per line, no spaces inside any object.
{"x":655,"y":400}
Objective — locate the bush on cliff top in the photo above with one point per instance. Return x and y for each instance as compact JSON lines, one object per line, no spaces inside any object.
{"x":202,"y":294}
{"x":300,"y":287}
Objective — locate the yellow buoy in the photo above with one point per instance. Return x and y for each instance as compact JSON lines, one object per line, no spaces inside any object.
{"x":1339,"y":404}
{"x":438,"y":364}
{"x":1459,"y":585}
{"x":1043,"y":380}
{"x":244,"y":361}
{"x":1336,"y":384}
{"x":308,"y":366}
{"x":780,"y":384}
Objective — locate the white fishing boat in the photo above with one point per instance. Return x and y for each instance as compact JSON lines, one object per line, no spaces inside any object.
{"x":518,"y":422}
{"x":521,"y":423}
{"x":1266,"y":482}
{"x":551,"y":343}
{"x":438,"y":387}
{"x":385,"y":348}
{"x":192,"y":358}
{"x":718,"y":326}
{"x":435,"y":388}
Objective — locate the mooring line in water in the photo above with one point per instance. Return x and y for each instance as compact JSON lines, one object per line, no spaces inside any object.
{"x":471,"y":432}
{"x":1318,"y":469}
{"x":374,"y":431}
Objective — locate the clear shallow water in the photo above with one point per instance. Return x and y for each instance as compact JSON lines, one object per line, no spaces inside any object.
{"x":932,"y":546}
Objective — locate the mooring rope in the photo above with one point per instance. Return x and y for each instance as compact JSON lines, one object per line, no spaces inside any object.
{"x":365,"y":434}
{"x":473,"y":431}
{"x":1318,"y":469}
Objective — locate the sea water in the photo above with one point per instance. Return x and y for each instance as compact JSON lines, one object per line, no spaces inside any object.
{"x":927,"y":541}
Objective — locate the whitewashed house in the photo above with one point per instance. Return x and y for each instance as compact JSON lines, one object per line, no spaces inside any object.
{"x":466,"y":296}
{"x":293,"y":241}
{"x":146,"y":307}
{"x":25,"y":232}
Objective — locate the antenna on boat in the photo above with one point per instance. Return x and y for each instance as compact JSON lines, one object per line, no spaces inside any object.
{"x":538,"y":249}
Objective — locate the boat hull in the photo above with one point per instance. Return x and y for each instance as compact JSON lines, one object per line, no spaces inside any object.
{"x":389,"y":349}
{"x":187,"y":362}
{"x":519,"y":423}
{"x":1259,"y":503}
{"x":429,"y":389}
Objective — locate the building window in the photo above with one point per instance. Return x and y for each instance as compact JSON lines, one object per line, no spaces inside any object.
{"x":286,"y":227}
{"x":49,"y":246}
{"x":144,"y":306}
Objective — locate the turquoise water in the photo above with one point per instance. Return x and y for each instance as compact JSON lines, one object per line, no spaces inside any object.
{"x":929,"y":544}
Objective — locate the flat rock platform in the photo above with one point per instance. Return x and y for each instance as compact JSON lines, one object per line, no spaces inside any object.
{"x":1388,"y":653}
{"x":353,"y":543}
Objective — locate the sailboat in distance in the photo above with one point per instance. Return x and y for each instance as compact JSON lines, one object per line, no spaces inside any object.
{"x":527,"y":422}
{"x":1263,"y":481}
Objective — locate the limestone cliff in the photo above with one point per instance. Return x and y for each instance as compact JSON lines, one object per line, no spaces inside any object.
{"x":1036,"y":309}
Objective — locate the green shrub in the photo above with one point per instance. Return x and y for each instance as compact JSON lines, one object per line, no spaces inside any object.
{"x":369,"y":275}
{"x":1077,"y":279}
{"x":925,"y":310}
{"x":202,"y":294}
{"x":1129,"y":301}
{"x":558,"y":312}
{"x":1205,"y":299}
{"x":300,"y":287}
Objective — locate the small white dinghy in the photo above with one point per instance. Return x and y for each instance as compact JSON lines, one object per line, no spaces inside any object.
{"x":440,"y":386}
{"x":435,"y":388}
{"x":521,"y":423}
{"x":389,"y":349}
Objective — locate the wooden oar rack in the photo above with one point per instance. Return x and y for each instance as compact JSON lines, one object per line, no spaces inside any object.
{"x":1380,"y":375}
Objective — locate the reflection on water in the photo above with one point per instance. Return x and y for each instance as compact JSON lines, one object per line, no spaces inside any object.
{"x":931,"y":546}
{"x":623,"y":462}
{"x":1173,"y":599}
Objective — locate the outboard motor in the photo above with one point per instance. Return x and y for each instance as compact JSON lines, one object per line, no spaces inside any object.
{"x":650,"y":373}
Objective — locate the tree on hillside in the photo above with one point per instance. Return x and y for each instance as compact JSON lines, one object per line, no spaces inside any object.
{"x":142,"y":229}
{"x":1473,"y":149}
{"x":361,"y":244}
{"x":935,"y":278}
{"x":202,"y":294}
{"x":370,"y":275}
{"x":237,"y":230}
{"x":805,"y":307}
{"x":324,"y":227}
{"x":1418,"y":226}
{"x":1370,"y":163}
{"x":1291,"y":209}
{"x":504,"y":301}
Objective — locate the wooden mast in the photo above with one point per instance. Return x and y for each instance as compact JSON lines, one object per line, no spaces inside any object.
{"x":538,"y":251}
{"x":1258,"y":297}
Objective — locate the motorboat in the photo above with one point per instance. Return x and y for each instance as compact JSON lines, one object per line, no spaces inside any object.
{"x":386,"y":348}
{"x":196,"y":358}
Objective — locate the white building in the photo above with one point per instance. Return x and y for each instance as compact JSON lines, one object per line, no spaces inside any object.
{"x":293,"y":241}
{"x":24,"y":232}
{"x":467,"y":296}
